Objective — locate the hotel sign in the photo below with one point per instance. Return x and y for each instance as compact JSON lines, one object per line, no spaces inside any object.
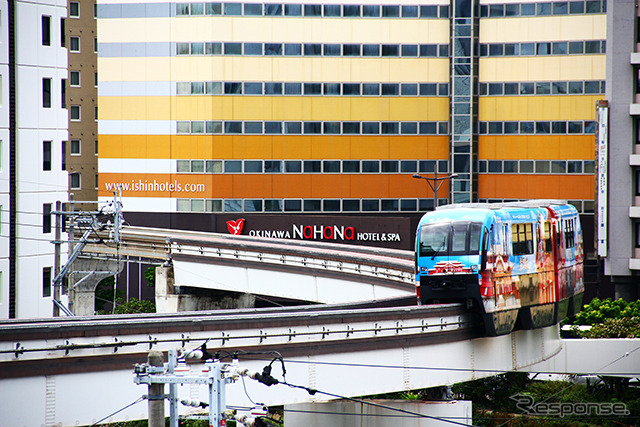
{"x":392,"y":232}
{"x":602,"y":176}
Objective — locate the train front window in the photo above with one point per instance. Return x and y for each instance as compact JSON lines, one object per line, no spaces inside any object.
{"x":434,"y":239}
{"x":457,"y":238}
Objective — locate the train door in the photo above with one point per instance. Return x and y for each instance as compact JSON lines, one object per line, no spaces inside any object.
{"x":548,"y":265}
{"x":560,"y":259}
{"x":501,"y":265}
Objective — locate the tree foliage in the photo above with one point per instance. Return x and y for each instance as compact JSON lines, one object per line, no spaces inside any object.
{"x":105,"y":294}
{"x":609,"y":319}
{"x":134,"y":306}
{"x":599,"y":310}
{"x":150,"y":276}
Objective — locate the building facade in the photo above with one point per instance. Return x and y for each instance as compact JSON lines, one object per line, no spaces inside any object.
{"x":300,"y":109}
{"x":33,"y":128}
{"x":618,"y":213}
{"x":82,"y":102}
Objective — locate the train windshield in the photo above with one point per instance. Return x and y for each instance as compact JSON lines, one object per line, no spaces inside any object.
{"x":450,"y":238}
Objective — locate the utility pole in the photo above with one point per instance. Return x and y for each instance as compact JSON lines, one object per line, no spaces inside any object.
{"x":156,"y":392}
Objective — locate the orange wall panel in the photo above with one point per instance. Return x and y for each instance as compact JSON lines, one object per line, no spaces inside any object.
{"x":272,"y":147}
{"x":265,"y":186}
{"x":536,"y":147}
{"x":507,"y":186}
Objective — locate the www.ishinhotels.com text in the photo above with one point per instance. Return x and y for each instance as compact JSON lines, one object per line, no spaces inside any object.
{"x":141,"y":185}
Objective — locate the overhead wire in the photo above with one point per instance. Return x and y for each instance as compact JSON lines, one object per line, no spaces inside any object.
{"x":313,"y":391}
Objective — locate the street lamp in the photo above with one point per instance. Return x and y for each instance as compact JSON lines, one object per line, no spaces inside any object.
{"x":435,"y":183}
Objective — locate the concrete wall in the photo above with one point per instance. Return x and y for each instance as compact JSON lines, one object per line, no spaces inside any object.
{"x":347,"y":414}
{"x":621,"y":18}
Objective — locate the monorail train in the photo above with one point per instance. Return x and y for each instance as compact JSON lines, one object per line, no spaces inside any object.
{"x":519,"y":263}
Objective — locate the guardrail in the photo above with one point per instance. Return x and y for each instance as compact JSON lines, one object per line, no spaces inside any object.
{"x":164,"y":245}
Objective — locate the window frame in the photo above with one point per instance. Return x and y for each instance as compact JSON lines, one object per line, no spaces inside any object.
{"x":71,"y":147}
{"x":71,"y":47}
{"x":77,"y":15}
{"x":72,"y":185}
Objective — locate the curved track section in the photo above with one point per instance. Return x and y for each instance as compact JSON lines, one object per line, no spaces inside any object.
{"x":386,"y":267}
{"x":82,"y":344}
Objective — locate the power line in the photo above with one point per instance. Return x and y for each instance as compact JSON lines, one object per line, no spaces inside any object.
{"x":312,"y":391}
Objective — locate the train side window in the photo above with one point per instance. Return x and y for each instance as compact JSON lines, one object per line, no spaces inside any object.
{"x":522,"y":239}
{"x":547,"y":237}
{"x":569,"y":239}
{"x":474,"y":237}
{"x":485,"y":249}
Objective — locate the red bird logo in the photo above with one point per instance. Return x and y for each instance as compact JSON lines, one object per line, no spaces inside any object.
{"x":235,"y":227}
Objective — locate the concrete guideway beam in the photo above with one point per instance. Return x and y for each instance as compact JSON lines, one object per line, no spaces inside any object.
{"x":602,"y":356}
{"x":337,"y":363}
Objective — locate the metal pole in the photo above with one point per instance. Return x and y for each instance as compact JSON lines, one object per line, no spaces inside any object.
{"x":156,"y":392}
{"x":56,"y":261}
{"x":216,"y":400}
{"x":173,"y":390}
{"x":435,"y":187}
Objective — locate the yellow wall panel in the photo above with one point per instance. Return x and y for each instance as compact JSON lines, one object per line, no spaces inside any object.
{"x":514,"y":108}
{"x":286,"y":69}
{"x":540,"y":29}
{"x":547,"y":68}
{"x":273,"y":108}
{"x":257,"y":29}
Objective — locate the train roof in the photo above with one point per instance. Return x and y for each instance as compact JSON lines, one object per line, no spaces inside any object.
{"x":534,"y":203}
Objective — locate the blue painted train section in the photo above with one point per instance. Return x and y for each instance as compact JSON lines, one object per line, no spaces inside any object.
{"x":520,"y":264}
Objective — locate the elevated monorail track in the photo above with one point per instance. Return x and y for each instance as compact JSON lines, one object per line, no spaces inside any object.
{"x":359,"y":262}
{"x":83,"y":344}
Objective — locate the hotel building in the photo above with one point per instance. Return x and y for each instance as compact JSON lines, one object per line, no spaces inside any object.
{"x":306,"y":111}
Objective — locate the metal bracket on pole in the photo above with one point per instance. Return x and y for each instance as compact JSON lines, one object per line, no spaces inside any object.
{"x":93,"y":221}
{"x":216,"y":375}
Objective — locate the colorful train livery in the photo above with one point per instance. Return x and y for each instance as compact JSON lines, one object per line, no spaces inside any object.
{"x":519,"y":263}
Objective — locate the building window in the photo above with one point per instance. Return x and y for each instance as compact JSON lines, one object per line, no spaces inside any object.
{"x":46,"y":155}
{"x":64,"y":156}
{"x":97,"y":181}
{"x":95,"y":45}
{"x":74,"y":9}
{"x":46,"y":30}
{"x":74,"y":181}
{"x":63,"y":93}
{"x":75,"y":147}
{"x":75,"y":113}
{"x":46,"y":282}
{"x":95,"y":147}
{"x":74,"y":78}
{"x":95,"y":79}
{"x":46,"y":93}
{"x":46,"y":218}
{"x":95,"y":112}
{"x":74,"y":44}
{"x":63,"y":32}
